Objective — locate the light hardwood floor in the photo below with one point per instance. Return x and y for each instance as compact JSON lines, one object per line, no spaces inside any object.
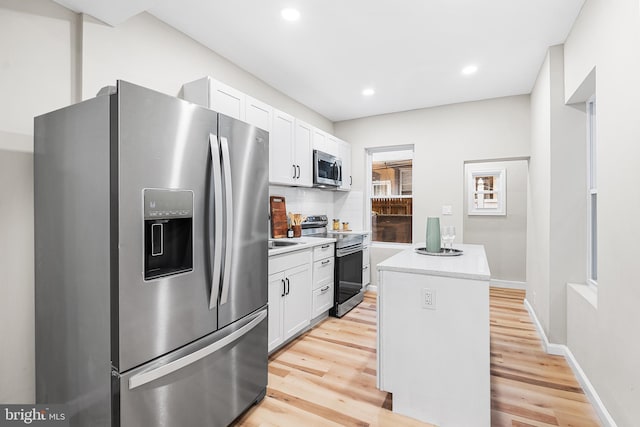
{"x":327,"y":377}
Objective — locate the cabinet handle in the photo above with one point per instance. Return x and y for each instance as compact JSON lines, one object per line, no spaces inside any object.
{"x":325,"y":289}
{"x":325,"y":262}
{"x":283,"y":288}
{"x":365,"y":267}
{"x":294,"y":172}
{"x":298,"y":166}
{"x":325,"y":246}
{"x":288,"y":286}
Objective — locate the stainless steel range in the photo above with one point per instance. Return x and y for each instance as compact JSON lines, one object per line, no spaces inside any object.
{"x":348,"y":272}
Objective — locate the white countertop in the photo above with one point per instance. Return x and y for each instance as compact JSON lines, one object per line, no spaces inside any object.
{"x":472,"y":264}
{"x":304,"y":242}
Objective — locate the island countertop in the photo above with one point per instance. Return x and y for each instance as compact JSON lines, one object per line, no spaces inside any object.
{"x":472,"y":264}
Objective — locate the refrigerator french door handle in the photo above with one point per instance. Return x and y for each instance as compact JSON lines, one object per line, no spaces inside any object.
{"x":164,"y":370}
{"x":216,"y":177}
{"x":228,"y":202}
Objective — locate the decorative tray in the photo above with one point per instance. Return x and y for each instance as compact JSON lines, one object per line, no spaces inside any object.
{"x":443,"y":252}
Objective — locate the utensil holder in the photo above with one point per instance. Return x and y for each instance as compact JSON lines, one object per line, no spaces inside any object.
{"x":433,"y":234}
{"x":297,"y":230}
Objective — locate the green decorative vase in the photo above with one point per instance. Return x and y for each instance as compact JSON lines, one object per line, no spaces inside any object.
{"x":433,"y":234}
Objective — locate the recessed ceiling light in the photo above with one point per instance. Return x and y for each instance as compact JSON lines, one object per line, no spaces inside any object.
{"x":469,"y":69}
{"x":290,"y":14}
{"x":368,"y":91}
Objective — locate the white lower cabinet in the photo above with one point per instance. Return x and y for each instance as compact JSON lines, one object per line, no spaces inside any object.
{"x":366,"y":267}
{"x":289,"y":289}
{"x":322,"y":299}
{"x":323,"y":277}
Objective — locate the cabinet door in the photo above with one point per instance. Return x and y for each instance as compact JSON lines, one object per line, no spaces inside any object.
{"x":297,"y":301}
{"x":281,"y":141}
{"x":304,"y":154}
{"x":276,"y":309}
{"x":345,"y":156}
{"x":320,"y":142}
{"x":258,"y":113}
{"x":333,"y":145}
{"x":227,"y":100}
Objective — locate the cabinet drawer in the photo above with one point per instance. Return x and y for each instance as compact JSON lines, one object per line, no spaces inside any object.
{"x":322,"y":299}
{"x":289,"y":260}
{"x":365,"y":256}
{"x":366,"y":275}
{"x":323,"y":272}
{"x":323,"y":251}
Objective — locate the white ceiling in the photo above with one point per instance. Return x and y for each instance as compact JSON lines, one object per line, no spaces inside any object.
{"x":410,"y":51}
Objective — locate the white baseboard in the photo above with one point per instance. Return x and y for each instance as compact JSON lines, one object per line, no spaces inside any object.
{"x":581,"y":376}
{"x":507,"y":284}
{"x":372,"y":288}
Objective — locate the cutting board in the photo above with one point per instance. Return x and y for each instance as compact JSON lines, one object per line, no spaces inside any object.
{"x":278,"y":216}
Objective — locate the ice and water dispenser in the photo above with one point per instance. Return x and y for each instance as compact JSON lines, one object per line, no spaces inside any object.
{"x":168,"y":232}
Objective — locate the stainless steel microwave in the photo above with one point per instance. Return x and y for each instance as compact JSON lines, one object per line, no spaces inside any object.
{"x":327,"y":170}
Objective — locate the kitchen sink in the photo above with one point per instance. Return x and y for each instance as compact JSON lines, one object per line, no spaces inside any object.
{"x":273,"y":244}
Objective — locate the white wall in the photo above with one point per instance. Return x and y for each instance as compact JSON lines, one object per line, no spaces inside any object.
{"x":557,"y":198}
{"x":504,"y":236}
{"x":444,"y":138}
{"x":603,"y":338}
{"x":37,"y":69}
{"x":52,"y":57}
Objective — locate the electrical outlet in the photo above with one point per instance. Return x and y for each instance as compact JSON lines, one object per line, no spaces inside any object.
{"x":429,"y":299}
{"x":447,"y":210}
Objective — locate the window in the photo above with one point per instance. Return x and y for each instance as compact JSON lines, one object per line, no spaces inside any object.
{"x":592,"y":193}
{"x":390,"y":197}
{"x":486,"y":192}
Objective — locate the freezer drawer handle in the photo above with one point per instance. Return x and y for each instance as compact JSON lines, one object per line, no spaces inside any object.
{"x":149,"y":376}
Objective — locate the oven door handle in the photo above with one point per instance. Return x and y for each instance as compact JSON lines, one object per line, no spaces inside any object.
{"x":348,"y":251}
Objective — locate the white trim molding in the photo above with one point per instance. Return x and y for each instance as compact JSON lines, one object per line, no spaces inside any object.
{"x":507,"y":284}
{"x":562,"y":350}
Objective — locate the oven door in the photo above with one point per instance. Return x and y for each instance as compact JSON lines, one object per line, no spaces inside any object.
{"x":348,"y":273}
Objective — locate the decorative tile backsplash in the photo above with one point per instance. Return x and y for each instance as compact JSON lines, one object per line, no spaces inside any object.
{"x":346,"y":206}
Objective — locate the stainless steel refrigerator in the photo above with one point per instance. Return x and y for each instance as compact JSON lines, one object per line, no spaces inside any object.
{"x":151,"y":226}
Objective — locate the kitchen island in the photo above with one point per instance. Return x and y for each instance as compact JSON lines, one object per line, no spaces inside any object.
{"x":433,"y":336}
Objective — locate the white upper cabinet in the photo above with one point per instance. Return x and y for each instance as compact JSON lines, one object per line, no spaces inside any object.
{"x":344,"y":153}
{"x":217,"y":96}
{"x":258,"y":113}
{"x":303,"y":154}
{"x":229,"y":101}
{"x":333,"y":146}
{"x":290,"y":143}
{"x":282,"y":166}
{"x":320,"y":140}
